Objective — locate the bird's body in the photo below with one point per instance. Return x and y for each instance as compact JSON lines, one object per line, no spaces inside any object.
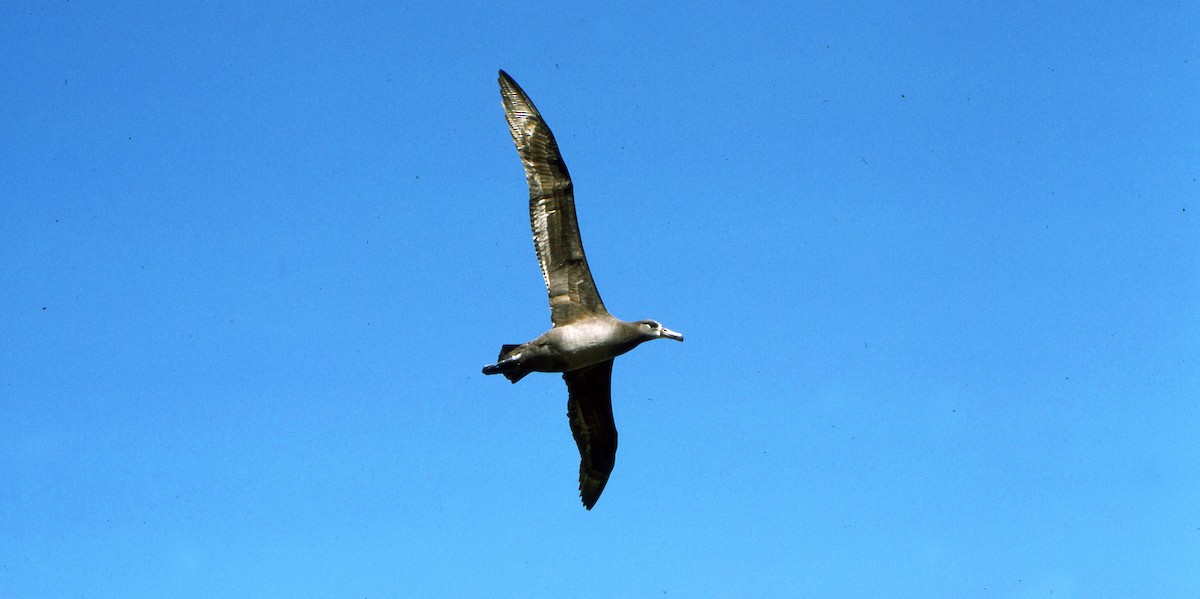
{"x":585,"y":337}
{"x":574,"y":346}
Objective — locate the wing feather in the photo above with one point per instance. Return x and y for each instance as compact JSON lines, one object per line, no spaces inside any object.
{"x":590,"y":411}
{"x":573,"y":294}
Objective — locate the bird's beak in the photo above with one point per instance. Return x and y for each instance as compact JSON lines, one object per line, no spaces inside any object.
{"x":669,"y":334}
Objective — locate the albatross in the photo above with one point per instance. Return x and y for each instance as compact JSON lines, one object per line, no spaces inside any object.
{"x":585,"y":338}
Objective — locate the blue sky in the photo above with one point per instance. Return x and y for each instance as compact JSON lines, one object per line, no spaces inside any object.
{"x":937,"y":265}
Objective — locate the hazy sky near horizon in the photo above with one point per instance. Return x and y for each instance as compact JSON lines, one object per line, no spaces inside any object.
{"x":937,"y":264}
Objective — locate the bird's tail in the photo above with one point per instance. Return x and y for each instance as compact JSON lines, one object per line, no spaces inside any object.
{"x":511,"y":369}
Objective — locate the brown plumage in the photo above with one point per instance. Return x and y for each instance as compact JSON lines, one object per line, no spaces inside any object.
{"x":573,"y":294}
{"x":585,"y":337}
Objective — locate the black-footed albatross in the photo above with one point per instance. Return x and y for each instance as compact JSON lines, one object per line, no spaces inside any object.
{"x":585,"y":337}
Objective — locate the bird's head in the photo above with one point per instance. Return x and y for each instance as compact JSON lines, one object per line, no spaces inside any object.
{"x":651,"y":329}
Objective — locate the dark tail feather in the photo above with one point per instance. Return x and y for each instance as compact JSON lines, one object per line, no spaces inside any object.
{"x":511,"y":370}
{"x":516,"y":375}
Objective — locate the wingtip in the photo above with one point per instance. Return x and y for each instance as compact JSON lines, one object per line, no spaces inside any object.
{"x":589,"y":493}
{"x":588,"y":504}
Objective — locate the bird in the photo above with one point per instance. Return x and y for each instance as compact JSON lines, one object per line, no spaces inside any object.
{"x":584,"y":338}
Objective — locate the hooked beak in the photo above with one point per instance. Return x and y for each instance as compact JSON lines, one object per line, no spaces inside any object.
{"x":669,"y":334}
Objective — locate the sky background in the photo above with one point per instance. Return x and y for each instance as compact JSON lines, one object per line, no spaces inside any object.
{"x":937,"y":263}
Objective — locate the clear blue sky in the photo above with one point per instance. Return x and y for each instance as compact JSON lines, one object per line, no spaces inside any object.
{"x":938,"y":267}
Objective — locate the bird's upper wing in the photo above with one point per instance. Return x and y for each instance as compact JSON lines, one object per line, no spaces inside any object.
{"x":573,"y":294}
{"x":590,"y":411}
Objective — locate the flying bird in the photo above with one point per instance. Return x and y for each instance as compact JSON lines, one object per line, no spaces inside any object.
{"x":585,"y":338}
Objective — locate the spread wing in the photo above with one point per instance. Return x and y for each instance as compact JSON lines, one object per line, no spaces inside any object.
{"x":590,"y":411}
{"x":573,"y":294}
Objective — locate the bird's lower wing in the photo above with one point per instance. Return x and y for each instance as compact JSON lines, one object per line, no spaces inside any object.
{"x":590,"y":411}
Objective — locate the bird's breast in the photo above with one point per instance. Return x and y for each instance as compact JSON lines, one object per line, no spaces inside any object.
{"x":586,"y":343}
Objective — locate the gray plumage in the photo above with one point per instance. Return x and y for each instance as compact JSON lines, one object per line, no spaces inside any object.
{"x":585,"y":337}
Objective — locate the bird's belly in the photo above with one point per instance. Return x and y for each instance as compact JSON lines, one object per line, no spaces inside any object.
{"x":583,"y":344}
{"x":592,"y":354}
